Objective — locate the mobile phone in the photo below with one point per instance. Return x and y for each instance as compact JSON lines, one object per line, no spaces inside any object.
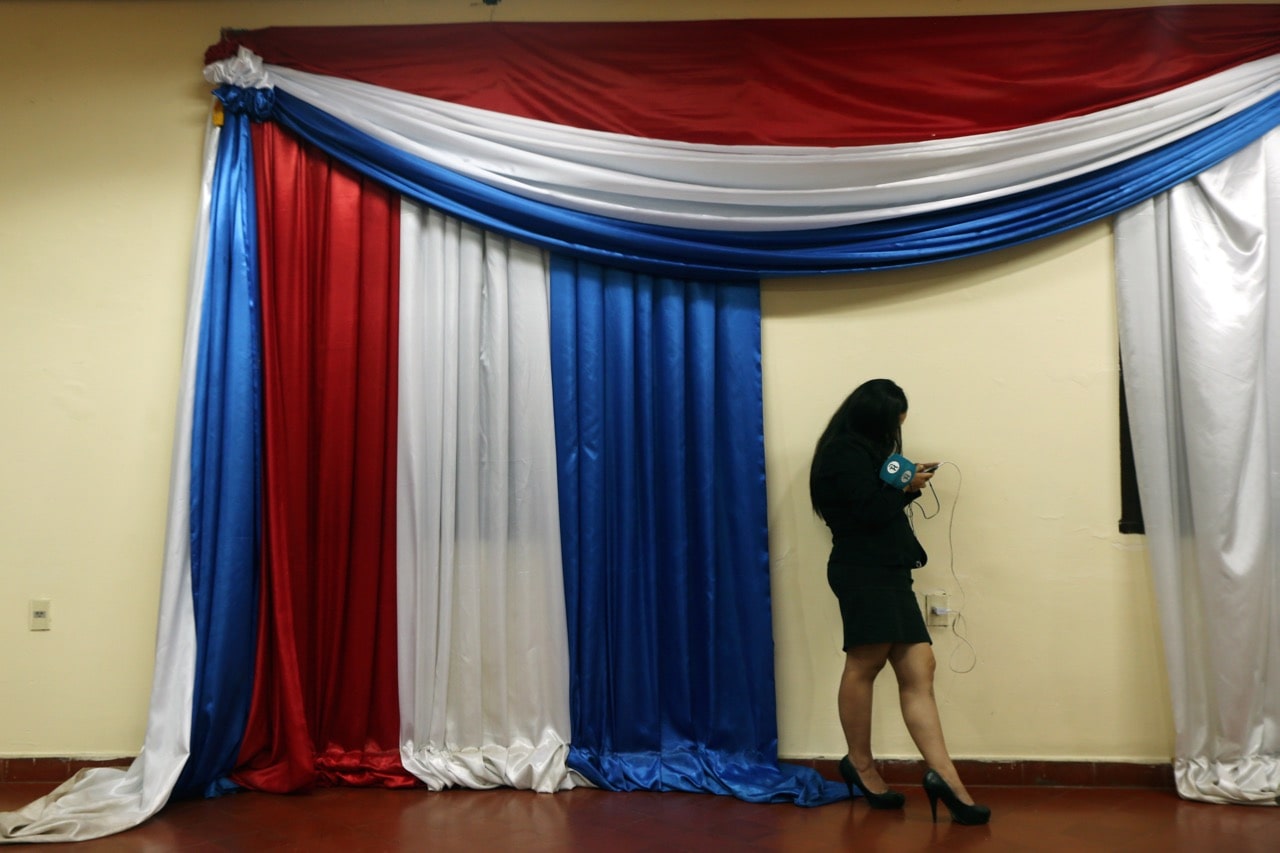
{"x":931,"y":468}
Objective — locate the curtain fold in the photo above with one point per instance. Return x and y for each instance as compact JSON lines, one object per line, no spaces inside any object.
{"x":1198,"y":274}
{"x":659,"y":428}
{"x":325,"y":704}
{"x":484,"y":670}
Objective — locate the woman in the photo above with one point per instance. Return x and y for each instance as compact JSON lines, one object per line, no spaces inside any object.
{"x":872,"y":554}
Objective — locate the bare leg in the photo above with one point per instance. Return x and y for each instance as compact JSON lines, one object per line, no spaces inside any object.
{"x":861,"y":666}
{"x":914,"y":666}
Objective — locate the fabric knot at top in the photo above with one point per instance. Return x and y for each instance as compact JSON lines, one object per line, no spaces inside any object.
{"x":246,"y":70}
{"x":245,"y":87}
{"x":255,"y":103}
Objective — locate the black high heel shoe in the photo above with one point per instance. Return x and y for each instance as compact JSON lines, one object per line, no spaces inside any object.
{"x":888,"y":800}
{"x":962,"y":813}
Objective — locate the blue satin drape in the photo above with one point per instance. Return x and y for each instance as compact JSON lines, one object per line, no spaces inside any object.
{"x":225,"y":471}
{"x":911,"y":240}
{"x":660,"y":444}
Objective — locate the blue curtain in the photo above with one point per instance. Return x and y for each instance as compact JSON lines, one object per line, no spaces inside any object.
{"x":225,"y":471}
{"x":660,"y":443}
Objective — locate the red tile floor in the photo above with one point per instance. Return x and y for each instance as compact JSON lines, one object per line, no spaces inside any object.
{"x":348,"y":819}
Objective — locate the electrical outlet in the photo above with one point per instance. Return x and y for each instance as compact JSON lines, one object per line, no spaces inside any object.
{"x":936,"y":611}
{"x":40,"y":615}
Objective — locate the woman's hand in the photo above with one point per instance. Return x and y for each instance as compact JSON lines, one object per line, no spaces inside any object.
{"x":924,"y":473}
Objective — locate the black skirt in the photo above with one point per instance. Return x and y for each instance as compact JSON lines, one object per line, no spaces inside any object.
{"x":876,"y":605}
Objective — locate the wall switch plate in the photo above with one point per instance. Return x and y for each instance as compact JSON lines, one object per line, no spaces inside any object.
{"x":936,"y":612}
{"x":39,"y":615}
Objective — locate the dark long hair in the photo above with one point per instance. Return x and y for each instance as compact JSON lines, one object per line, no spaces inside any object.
{"x":873,"y":412}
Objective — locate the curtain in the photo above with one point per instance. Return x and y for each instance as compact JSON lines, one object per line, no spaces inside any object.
{"x":100,"y":801}
{"x":484,"y":670}
{"x":703,"y":187}
{"x":325,"y":705}
{"x":659,"y":426}
{"x":1021,"y":194}
{"x":1198,"y":283}
{"x":226,"y":468}
{"x":1170,"y":92}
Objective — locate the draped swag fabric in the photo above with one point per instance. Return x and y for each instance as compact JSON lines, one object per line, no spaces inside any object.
{"x":603,"y":177}
{"x":696,"y":211}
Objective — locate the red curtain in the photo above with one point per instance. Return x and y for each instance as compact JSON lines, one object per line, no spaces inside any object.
{"x":325,"y":708}
{"x":849,"y":81}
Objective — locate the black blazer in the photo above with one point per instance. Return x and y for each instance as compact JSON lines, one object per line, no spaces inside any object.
{"x":867,"y":517}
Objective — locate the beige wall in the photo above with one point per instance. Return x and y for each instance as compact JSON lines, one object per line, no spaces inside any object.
{"x":1009,"y":361}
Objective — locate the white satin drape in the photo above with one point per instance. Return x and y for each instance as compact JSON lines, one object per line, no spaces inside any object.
{"x":104,"y":800}
{"x":1198,"y":272}
{"x":755,"y":188}
{"x":483,"y":643}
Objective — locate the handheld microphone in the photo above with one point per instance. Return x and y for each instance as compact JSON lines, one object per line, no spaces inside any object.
{"x":898,"y":471}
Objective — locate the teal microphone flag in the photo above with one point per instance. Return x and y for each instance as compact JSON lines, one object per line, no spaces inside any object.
{"x":898,"y":471}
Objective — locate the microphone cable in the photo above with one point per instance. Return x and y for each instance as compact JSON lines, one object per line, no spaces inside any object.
{"x":958,"y":625}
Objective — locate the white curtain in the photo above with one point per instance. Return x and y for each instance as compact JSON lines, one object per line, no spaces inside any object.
{"x":483,"y":642}
{"x":104,"y":800}
{"x":1198,"y":283}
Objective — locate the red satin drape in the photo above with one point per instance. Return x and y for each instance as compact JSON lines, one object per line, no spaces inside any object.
{"x":848,"y":81}
{"x":325,"y":706}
